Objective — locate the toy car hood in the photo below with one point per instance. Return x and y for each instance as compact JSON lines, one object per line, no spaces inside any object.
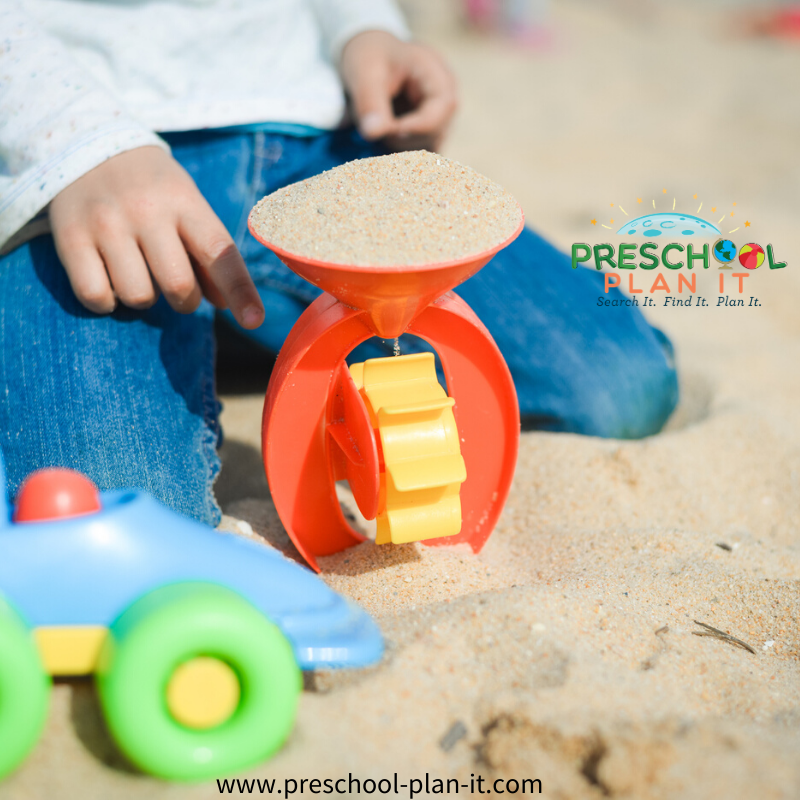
{"x":86,"y":570}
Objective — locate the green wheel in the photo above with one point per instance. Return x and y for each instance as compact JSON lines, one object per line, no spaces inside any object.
{"x":195,"y":683}
{"x":24,"y":691}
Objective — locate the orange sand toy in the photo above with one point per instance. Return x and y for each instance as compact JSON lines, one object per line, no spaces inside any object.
{"x":427,"y":466}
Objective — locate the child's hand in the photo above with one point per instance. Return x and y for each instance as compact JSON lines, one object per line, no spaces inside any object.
{"x":137,"y":225}
{"x":378,"y":68}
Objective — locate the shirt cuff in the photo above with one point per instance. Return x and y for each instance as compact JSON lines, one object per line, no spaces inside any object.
{"x":37,"y":186}
{"x":341,"y":20}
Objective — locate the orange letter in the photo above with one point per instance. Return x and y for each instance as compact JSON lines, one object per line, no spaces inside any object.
{"x":740,"y":275}
{"x":660,"y":283}
{"x":630,"y":285}
{"x":721,"y":282}
{"x":692,"y":287}
{"x":609,"y":278}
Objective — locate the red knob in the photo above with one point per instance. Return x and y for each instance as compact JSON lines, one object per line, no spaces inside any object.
{"x":56,"y":493}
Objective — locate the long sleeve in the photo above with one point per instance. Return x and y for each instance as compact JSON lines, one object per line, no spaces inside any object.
{"x":340,"y":20}
{"x":56,"y":121}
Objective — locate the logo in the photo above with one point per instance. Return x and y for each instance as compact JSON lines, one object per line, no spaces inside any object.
{"x":660,"y":240}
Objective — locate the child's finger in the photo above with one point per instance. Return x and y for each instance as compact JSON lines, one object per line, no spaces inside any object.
{"x":371,"y":93}
{"x":169,"y":264}
{"x":207,"y":286}
{"x":430,"y":118}
{"x":128,"y":272}
{"x":436,"y":88}
{"x":215,"y":253}
{"x":88,"y":277}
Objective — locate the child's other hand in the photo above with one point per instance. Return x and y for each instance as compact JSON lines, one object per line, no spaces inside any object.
{"x":377,"y":69}
{"x":137,"y":225}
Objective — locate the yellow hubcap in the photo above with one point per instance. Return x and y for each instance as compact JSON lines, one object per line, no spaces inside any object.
{"x":203,"y":693}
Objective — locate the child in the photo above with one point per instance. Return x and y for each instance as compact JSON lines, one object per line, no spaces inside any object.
{"x":141,"y":134}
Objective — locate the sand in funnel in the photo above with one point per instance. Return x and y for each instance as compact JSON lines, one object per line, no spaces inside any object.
{"x":404,"y":209}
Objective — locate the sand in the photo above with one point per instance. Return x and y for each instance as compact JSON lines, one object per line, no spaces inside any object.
{"x":565,"y":650}
{"x":407,"y":208}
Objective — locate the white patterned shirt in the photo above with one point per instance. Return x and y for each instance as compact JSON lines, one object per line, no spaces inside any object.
{"x":82,"y":81}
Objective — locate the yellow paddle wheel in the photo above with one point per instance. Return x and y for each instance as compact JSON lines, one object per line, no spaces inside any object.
{"x":421,"y":467}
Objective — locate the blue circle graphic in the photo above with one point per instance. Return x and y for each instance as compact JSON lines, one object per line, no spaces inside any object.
{"x":643,"y":226}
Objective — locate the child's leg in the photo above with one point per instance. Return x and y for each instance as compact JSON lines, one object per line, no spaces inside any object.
{"x":577,"y":366}
{"x":127,"y":399}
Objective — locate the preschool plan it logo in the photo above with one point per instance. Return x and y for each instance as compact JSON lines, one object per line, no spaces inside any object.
{"x":663,"y":229}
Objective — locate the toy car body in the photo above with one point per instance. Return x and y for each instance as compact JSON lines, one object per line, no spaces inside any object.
{"x":195,"y":636}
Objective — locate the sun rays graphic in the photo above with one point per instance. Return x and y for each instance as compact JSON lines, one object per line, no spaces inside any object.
{"x":669,"y":222}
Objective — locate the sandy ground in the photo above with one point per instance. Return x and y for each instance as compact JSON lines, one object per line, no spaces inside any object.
{"x":564,"y":651}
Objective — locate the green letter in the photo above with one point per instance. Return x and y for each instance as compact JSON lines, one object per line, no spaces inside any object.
{"x":626,"y":255}
{"x":652,"y":258}
{"x":587,"y":252}
{"x":772,"y":263}
{"x":603,"y":254}
{"x":666,"y":250}
{"x":690,"y":256}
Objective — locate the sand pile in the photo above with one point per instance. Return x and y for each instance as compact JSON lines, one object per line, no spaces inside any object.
{"x":408,"y":208}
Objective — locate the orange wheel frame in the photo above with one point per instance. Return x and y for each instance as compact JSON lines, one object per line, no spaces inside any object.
{"x":304,"y":454}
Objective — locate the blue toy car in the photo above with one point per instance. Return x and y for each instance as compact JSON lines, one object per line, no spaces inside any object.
{"x":195,"y":637}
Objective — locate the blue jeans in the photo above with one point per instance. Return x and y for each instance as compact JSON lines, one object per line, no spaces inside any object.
{"x":129,"y":398}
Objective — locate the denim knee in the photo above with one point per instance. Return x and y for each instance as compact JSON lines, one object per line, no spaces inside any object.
{"x":128,"y":399}
{"x":639,"y":392}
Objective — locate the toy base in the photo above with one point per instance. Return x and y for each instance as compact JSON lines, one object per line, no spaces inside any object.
{"x":300,"y":406}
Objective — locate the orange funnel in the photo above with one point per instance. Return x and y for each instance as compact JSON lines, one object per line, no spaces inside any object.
{"x":392,"y":295}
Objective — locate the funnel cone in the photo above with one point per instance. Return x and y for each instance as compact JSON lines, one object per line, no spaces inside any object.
{"x":392,"y":295}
